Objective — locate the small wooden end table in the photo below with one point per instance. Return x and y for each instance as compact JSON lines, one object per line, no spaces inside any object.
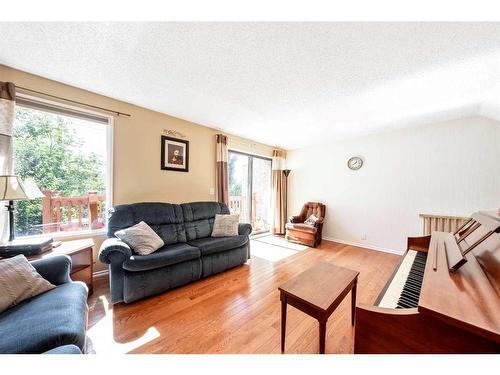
{"x":317,"y":292}
{"x":82,"y":259}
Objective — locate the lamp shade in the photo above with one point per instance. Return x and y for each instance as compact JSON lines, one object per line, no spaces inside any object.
{"x":13,"y":189}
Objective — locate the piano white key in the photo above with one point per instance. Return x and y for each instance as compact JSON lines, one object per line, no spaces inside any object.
{"x":393,"y":292}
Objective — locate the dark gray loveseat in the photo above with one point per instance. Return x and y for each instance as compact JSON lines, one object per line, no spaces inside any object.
{"x":190,"y":253}
{"x":53,"y":322}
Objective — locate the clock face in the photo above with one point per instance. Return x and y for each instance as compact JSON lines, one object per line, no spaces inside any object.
{"x":355,"y":163}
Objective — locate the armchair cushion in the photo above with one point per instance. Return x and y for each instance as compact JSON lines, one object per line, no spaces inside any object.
{"x":166,"y":256}
{"x":311,"y":220}
{"x":301,"y":227}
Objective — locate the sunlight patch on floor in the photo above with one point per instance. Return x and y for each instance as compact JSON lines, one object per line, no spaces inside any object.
{"x":273,"y":248}
{"x":102,"y":338}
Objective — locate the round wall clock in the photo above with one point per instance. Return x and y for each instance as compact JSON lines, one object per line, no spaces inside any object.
{"x":355,"y":163}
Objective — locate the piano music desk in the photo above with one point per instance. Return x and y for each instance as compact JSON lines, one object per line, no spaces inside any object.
{"x":317,"y":292}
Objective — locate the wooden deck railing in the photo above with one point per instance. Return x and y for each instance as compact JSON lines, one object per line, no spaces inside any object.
{"x":71,"y":213}
{"x":441,"y":223}
{"x":238,"y":205}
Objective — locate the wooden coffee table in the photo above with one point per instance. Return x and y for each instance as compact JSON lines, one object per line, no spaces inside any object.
{"x":317,"y":292}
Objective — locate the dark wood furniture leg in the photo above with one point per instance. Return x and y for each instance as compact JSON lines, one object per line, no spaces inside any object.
{"x":283,"y":322}
{"x":322,"y":336}
{"x":353,"y":302}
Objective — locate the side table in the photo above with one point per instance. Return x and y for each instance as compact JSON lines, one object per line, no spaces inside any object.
{"x":82,"y":259}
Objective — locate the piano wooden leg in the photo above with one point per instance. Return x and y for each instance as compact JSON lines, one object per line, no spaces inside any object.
{"x":353,"y":302}
{"x":322,"y":337}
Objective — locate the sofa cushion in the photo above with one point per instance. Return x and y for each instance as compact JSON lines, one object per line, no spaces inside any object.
{"x":225,"y":225}
{"x":166,"y":219}
{"x":165,"y":256}
{"x":301,"y":227}
{"x":199,"y":218}
{"x":141,"y":238}
{"x":55,"y":318}
{"x":212,"y":245}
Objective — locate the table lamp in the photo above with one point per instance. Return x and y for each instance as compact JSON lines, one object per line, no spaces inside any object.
{"x":13,"y":189}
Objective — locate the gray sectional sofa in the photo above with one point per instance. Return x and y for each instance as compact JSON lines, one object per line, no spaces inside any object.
{"x":53,"y":322}
{"x":189,"y":254}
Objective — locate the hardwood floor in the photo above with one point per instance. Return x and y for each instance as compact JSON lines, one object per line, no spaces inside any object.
{"x":237,"y":311}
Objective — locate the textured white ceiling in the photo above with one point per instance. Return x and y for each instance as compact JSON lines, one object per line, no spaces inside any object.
{"x":284,"y":84}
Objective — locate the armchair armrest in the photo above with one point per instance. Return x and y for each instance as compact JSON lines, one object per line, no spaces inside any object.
{"x":114,"y":250}
{"x":319,"y":222}
{"x":295,"y":219}
{"x":244,"y":228}
{"x":55,"y":269}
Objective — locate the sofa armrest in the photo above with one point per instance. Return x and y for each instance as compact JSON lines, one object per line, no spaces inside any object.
{"x":55,"y":269}
{"x":244,"y":228}
{"x":114,"y":250}
{"x":295,"y":219}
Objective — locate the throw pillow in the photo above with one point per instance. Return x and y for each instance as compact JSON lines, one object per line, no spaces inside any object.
{"x":225,"y":225}
{"x":19,"y":280}
{"x":141,"y":238}
{"x":311,"y":220}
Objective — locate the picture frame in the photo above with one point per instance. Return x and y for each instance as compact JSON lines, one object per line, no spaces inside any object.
{"x":174,"y":154}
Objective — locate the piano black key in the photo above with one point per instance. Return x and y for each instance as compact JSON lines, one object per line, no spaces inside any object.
{"x":405,"y":304}
{"x":408,"y":299}
{"x":410,"y":293}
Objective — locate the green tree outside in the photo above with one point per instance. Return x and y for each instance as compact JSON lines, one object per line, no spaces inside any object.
{"x":234,"y":186}
{"x":49,"y":150}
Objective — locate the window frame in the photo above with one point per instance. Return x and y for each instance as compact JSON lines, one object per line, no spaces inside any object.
{"x":108,"y":180}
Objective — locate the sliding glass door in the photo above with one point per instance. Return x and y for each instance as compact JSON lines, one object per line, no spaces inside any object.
{"x":250,"y":189}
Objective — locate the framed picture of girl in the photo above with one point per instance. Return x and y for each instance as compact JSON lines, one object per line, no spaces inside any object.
{"x":174,"y":154}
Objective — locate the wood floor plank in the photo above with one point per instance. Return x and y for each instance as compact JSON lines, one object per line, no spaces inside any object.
{"x":237,"y":311}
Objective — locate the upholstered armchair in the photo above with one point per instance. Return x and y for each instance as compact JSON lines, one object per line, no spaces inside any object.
{"x":306,"y":234}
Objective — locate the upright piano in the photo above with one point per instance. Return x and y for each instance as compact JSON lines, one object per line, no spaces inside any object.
{"x":444,"y":296}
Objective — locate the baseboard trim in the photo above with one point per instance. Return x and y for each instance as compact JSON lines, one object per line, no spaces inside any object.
{"x":99,"y":274}
{"x":366,"y":246}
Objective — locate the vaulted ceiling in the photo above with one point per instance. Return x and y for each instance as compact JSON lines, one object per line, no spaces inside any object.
{"x":284,"y":84}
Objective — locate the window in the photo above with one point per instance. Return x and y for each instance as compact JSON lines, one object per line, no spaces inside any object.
{"x":250,"y":189}
{"x":65,"y":152}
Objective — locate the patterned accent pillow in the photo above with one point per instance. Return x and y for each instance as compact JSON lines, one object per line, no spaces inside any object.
{"x":311,"y":220}
{"x":19,"y":280}
{"x":225,"y":225}
{"x":141,"y":238}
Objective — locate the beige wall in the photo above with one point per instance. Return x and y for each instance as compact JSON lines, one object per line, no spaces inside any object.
{"x":136,"y":148}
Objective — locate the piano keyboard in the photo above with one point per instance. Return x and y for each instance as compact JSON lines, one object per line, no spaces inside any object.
{"x":404,"y":289}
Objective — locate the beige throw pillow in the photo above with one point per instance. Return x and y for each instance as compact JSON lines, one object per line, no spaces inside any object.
{"x":19,"y":280}
{"x":311,"y":220}
{"x":225,"y":225}
{"x":141,"y":238}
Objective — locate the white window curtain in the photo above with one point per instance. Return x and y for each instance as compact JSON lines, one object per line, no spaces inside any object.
{"x":7,"y":107}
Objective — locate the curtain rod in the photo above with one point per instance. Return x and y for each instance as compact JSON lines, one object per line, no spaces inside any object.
{"x":74,"y":101}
